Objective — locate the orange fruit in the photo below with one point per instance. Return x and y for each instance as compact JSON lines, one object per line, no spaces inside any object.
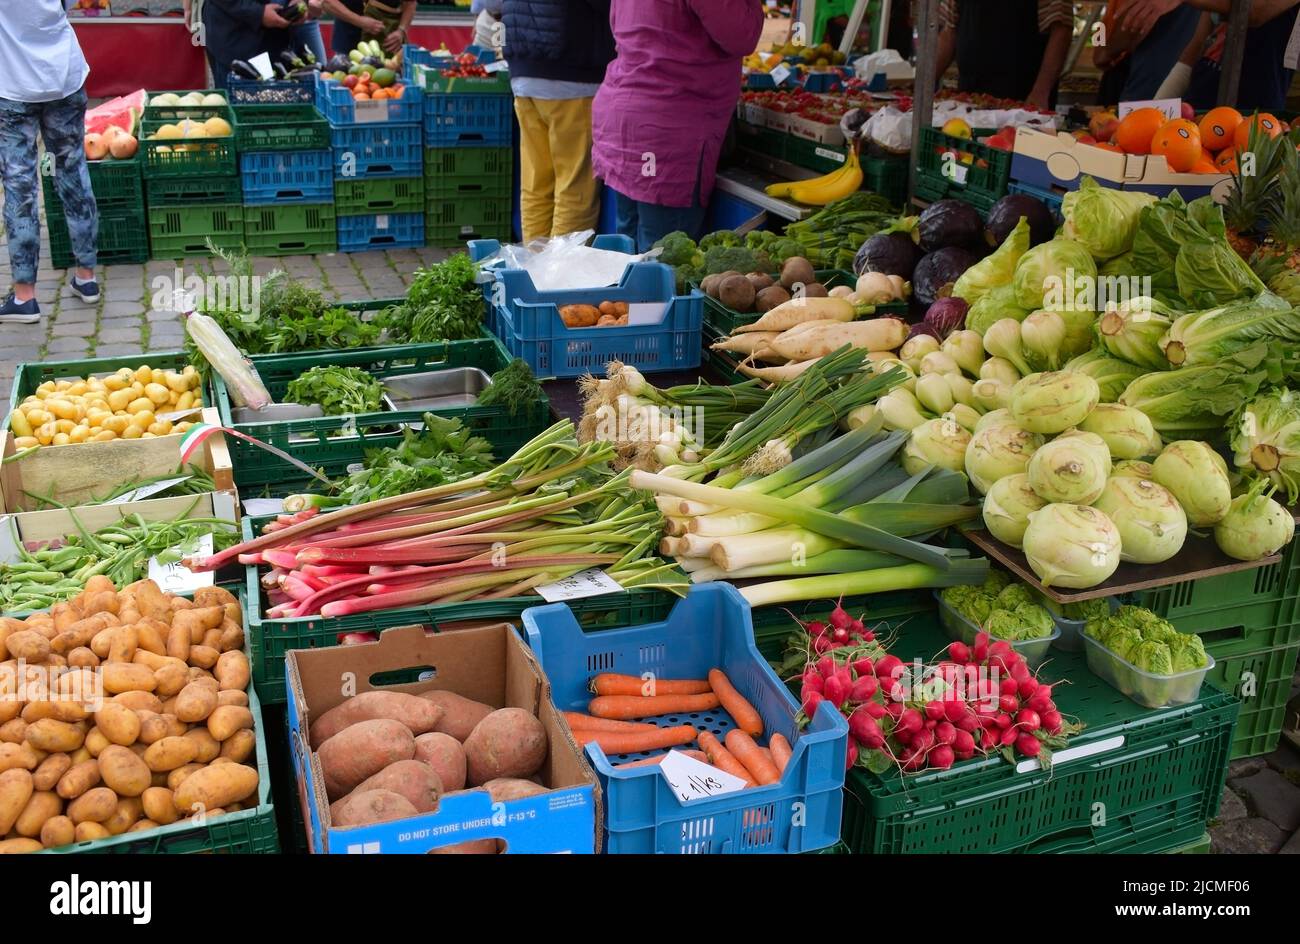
{"x":1226,"y":161}
{"x":1267,"y":123}
{"x":361,"y":97}
{"x":1217,"y":127}
{"x":379,"y":94}
{"x":1206,"y":153}
{"x":1137,"y":129}
{"x":1179,"y":141}
{"x":1204,"y":166}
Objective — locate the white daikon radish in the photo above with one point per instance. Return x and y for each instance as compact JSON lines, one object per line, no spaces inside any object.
{"x":876,"y":334}
{"x":788,"y":314}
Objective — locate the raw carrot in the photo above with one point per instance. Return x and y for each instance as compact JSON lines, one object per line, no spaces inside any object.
{"x":781,"y":751}
{"x":659,"y":759}
{"x":634,"y":706}
{"x":581,"y":723}
{"x":721,"y":758}
{"x":611,"y":683}
{"x":744,"y":749}
{"x":612,"y":742}
{"x":746,"y":718}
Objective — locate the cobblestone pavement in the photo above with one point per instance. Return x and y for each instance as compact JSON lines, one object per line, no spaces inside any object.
{"x":124,"y":322}
{"x":1260,"y":812}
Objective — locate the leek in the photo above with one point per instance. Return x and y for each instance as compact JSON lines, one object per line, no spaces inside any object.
{"x":880,"y":580}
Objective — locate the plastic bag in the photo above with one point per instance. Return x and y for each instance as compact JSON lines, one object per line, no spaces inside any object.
{"x":565,"y":262}
{"x":241,"y":377}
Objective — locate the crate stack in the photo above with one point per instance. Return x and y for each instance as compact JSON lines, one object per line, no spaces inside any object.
{"x":377,"y":172}
{"x":285,"y":165}
{"x":468,"y":131}
{"x":119,"y":194}
{"x":192,"y":187}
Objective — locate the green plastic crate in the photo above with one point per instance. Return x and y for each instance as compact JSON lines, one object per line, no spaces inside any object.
{"x":453,"y":222}
{"x":190,"y":191}
{"x":117,"y":185}
{"x":981,"y":183}
{"x":1158,"y":787}
{"x":358,"y":197}
{"x":1262,"y":683}
{"x":725,"y":363}
{"x":886,"y":613}
{"x":469,"y":163}
{"x":185,"y":231}
{"x":298,"y":127}
{"x":31,"y":374}
{"x":170,"y":114}
{"x":1200,"y":847}
{"x":280,"y":229}
{"x":1257,"y":609}
{"x":123,"y":237}
{"x":722,"y":320}
{"x":212,"y":156}
{"x":317,"y":441}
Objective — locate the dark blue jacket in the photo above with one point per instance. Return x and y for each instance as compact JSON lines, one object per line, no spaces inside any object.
{"x":567,"y":40}
{"x":233,"y":30}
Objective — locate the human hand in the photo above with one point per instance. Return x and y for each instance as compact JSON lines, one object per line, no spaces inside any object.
{"x":393,"y":41}
{"x":1141,"y":15}
{"x":371,"y":26}
{"x":314,"y":9}
{"x":272,"y":19}
{"x":1039,"y":98}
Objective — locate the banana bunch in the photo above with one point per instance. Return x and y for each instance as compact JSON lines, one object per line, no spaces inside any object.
{"x":828,"y":188}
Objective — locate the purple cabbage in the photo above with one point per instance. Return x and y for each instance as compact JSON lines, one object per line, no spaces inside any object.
{"x":947,"y":315}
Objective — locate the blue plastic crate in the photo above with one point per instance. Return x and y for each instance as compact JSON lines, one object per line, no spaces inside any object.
{"x":709,"y":629}
{"x":480,"y":249}
{"x":287,"y":177}
{"x":468,"y":120}
{"x":337,"y":105}
{"x":273,"y":91}
{"x":381,"y":150}
{"x":1052,"y":199}
{"x":381,"y":231}
{"x":529,"y":325}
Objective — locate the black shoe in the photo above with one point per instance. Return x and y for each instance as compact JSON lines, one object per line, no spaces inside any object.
{"x":88,"y":290}
{"x":16,"y":312}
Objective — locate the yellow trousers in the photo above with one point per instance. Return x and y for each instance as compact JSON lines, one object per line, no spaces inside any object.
{"x":557,"y":193}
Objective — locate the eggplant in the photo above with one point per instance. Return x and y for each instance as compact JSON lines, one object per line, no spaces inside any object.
{"x":280,"y":71}
{"x":373,"y":61}
{"x":338,"y":63}
{"x":947,"y":223}
{"x":291,"y":61}
{"x":937,"y":272}
{"x":245,"y":70}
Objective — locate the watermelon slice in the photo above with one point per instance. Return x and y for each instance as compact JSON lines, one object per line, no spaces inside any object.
{"x":123,"y":111}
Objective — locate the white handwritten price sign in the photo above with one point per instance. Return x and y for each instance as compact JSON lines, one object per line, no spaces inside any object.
{"x":588,"y":583}
{"x":695,"y":780}
{"x":173,"y":577}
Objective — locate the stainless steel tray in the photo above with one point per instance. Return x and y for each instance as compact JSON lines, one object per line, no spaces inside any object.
{"x":276,"y":413}
{"x":453,"y":388}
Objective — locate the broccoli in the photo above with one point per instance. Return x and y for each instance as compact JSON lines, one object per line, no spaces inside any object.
{"x":679,"y":250}
{"x":783,"y":249}
{"x":727,"y":258}
{"x":723,"y":237}
{"x":757,"y":239}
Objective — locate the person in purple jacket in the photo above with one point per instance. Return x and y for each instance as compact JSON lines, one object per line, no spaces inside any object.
{"x":659,"y":119}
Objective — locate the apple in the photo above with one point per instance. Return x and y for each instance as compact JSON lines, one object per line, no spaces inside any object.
{"x":350,"y":81}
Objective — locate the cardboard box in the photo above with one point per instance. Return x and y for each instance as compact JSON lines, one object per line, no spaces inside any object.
{"x":1058,"y":162}
{"x":80,"y":472}
{"x":490,"y":664}
{"x":817,"y":131}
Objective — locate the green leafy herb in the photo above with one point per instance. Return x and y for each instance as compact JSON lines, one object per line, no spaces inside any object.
{"x":444,"y":303}
{"x":513,"y":387}
{"x":337,"y":390}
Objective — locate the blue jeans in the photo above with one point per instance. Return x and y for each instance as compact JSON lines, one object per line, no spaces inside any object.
{"x":62,"y":125}
{"x":647,"y":223}
{"x":308,"y":35}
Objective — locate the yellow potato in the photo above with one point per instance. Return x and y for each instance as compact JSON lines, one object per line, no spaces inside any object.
{"x":79,"y":435}
{"x":118,"y":723}
{"x":80,"y":777}
{"x":50,"y":735}
{"x":239,"y":746}
{"x":144,"y":374}
{"x":93,"y":806}
{"x":144,"y":419}
{"x":214,"y":786}
{"x":170,"y":753}
{"x":132,"y":432}
{"x":96,"y":741}
{"x":57,"y":831}
{"x":45,"y":433}
{"x":104,"y":435}
{"x":15,"y":791}
{"x":232,"y":670}
{"x":115,"y":383}
{"x":25,"y":442}
{"x":118,"y":399}
{"x":124,"y":771}
{"x":64,"y":426}
{"x":159,"y":805}
{"x":117,"y":423}
{"x":18,"y":846}
{"x":127,"y":814}
{"x":160,"y":427}
{"x":51,"y":770}
{"x":60,"y":439}
{"x":225,"y":720}
{"x":18,"y":423}
{"x":185,"y":400}
{"x":177,"y":776}
{"x":89,"y":830}
{"x":42,"y":806}
{"x":206,"y":747}
{"x":126,"y":677}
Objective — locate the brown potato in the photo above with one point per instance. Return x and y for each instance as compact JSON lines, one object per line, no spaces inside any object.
{"x":14,"y":731}
{"x":95,"y":806}
{"x":195,"y":702}
{"x":83,"y":657}
{"x":214,"y":596}
{"x":60,"y":709}
{"x":232,"y":636}
{"x":206,"y":747}
{"x":47,"y":774}
{"x":232,"y":671}
{"x":89,"y":830}
{"x":214,"y":786}
{"x":170,"y":753}
{"x":57,"y":831}
{"x":152,"y":727}
{"x":42,"y":806}
{"x":140,"y":701}
{"x":175,"y":726}
{"x":142,"y":825}
{"x":238,"y":699}
{"x":153,"y":660}
{"x":79,"y":755}
{"x":178,"y":640}
{"x":123,"y":771}
{"x":177,"y":776}
{"x":102,"y":643}
{"x":363,"y":807}
{"x":80,"y":777}
{"x":83,"y":632}
{"x":127,"y":677}
{"x":18,"y":757}
{"x":203,"y":656}
{"x":159,"y":805}
{"x":211,"y":639}
{"x":239,"y":746}
{"x":128,"y":811}
{"x":151,"y":636}
{"x":16,"y":846}
{"x":225,"y":720}
{"x":15,"y":791}
{"x":96,"y":740}
{"x":28,"y":645}
{"x":510,"y":742}
{"x":125,"y":639}
{"x":170,"y":679}
{"x":50,"y":735}
{"x":118,"y":723}
{"x":64,"y":615}
{"x":100,"y":601}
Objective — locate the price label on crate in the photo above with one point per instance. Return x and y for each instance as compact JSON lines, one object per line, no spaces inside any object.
{"x":381,"y":221}
{"x":9,"y":549}
{"x":780,"y":73}
{"x":500,"y":65}
{"x":588,"y":583}
{"x":263,"y":506}
{"x":1171,"y":108}
{"x":371,"y":111}
{"x":144,"y":491}
{"x":695,"y":780}
{"x":176,"y":416}
{"x":173,"y":577}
